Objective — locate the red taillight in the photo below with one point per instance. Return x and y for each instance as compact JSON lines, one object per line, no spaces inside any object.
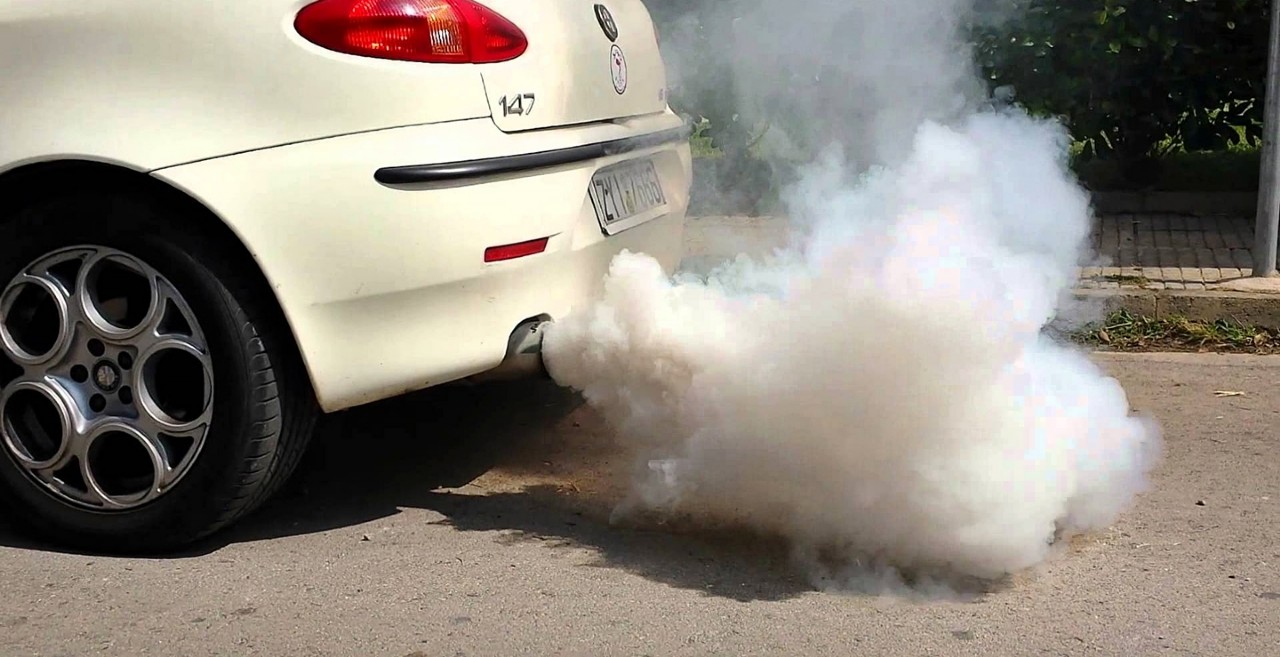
{"x":513,"y":251}
{"x":438,"y":31}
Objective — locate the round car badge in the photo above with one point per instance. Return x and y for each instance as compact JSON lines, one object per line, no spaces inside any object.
{"x":606,"y":22}
{"x":618,"y":66}
{"x":106,"y":376}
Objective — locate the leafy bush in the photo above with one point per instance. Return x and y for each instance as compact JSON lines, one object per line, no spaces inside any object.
{"x":1202,"y":171}
{"x":1135,"y":79}
{"x":703,"y":84}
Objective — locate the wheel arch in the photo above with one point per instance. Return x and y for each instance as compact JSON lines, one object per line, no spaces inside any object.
{"x":30,"y":183}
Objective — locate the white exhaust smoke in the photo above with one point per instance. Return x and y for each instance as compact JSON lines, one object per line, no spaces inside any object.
{"x":879,"y":391}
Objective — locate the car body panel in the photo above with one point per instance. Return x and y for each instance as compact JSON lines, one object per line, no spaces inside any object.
{"x":385,"y":287}
{"x":154,"y":83}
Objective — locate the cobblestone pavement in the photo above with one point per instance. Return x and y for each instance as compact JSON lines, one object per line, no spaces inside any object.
{"x":1151,"y":251}
{"x":1169,"y":252}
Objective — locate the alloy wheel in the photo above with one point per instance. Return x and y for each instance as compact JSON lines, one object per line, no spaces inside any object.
{"x":106,"y":382}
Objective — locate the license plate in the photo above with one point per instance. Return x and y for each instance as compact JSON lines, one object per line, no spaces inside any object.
{"x":625,"y":191}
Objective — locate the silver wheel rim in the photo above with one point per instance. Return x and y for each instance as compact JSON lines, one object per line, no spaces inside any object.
{"x":106,"y":385}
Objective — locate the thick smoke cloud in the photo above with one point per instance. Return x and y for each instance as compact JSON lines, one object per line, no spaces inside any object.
{"x":880,"y":390}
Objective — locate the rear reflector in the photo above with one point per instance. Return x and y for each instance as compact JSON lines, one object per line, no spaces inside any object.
{"x":513,"y":251}
{"x":434,"y":31}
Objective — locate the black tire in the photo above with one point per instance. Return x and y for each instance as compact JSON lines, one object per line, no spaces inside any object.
{"x":263,"y":406}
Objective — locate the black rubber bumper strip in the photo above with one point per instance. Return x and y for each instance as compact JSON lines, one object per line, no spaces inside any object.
{"x":429,"y":173}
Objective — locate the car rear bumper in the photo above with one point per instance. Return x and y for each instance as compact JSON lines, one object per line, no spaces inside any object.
{"x":384,"y":283}
{"x":528,"y":162}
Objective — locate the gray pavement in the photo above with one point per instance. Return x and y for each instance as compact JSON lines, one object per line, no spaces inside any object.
{"x":1169,"y":252}
{"x":474,"y":522}
{"x":1134,"y":251}
{"x":1153,"y":265}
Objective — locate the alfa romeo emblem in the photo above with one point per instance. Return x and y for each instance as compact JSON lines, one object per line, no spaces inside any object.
{"x":606,"y":22}
{"x":106,"y":376}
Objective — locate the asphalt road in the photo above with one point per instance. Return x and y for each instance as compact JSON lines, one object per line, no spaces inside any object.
{"x":474,"y":522}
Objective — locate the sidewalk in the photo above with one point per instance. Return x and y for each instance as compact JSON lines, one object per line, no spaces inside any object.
{"x":1149,"y":264}
{"x":1170,"y":252}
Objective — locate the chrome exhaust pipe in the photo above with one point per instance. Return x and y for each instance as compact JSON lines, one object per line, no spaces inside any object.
{"x":524,"y":355}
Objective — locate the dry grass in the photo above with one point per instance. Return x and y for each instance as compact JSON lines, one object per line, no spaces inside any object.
{"x":1122,"y":331}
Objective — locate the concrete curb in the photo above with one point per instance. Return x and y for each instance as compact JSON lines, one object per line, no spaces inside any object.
{"x":1235,"y":204}
{"x":1248,"y":308}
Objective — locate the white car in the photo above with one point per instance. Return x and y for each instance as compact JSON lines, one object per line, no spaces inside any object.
{"x":220,"y":219}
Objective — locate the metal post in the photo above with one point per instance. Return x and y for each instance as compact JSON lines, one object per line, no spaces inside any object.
{"x":1267,"y":233}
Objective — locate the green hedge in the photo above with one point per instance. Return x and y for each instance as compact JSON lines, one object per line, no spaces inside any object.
{"x":1135,"y":80}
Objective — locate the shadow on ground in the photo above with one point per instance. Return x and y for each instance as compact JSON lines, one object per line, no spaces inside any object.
{"x":726,"y":563}
{"x":369,"y":462}
{"x":523,"y":461}
{"x":417,"y":451}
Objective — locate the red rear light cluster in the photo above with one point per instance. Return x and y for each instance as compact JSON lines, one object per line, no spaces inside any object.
{"x":513,"y":251}
{"x":437,"y":31}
